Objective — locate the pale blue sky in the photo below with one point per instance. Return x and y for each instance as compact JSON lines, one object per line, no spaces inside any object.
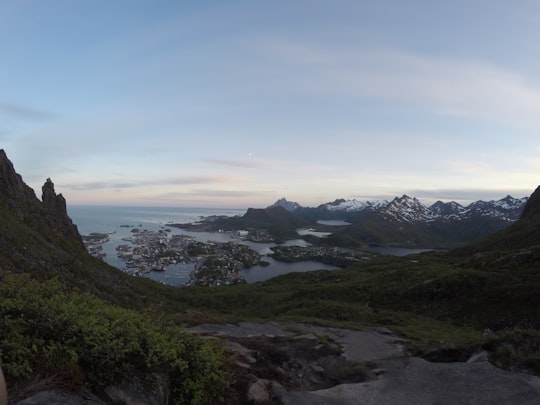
{"x":238,"y":103}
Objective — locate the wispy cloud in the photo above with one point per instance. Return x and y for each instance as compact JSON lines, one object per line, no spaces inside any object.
{"x":442,"y":85}
{"x":25,"y":112}
{"x":252,"y":164}
{"x":151,"y":182}
{"x":211,"y":193}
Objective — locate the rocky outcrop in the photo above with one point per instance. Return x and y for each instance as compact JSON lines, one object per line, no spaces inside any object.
{"x":269,"y":368}
{"x":55,"y":209}
{"x":151,"y":389}
{"x":532,"y":208}
{"x":46,"y":216}
{"x":14,"y":193}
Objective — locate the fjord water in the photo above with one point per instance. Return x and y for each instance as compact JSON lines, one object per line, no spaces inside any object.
{"x":119,"y":221}
{"x":106,"y":219}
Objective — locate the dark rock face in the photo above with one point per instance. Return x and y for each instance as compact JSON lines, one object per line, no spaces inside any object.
{"x":56,"y":212}
{"x":532,"y":208}
{"x":49,"y":214}
{"x":14,"y":193}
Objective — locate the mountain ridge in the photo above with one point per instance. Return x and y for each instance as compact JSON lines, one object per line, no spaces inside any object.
{"x":410,"y":209}
{"x":444,"y":305}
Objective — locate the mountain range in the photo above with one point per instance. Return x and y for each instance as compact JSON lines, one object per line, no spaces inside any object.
{"x":406,"y":221}
{"x":75,"y":328}
{"x":410,"y":209}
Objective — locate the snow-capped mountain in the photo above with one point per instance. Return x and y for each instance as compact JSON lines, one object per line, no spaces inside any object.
{"x":353,"y":205}
{"x":290,"y":206}
{"x":508,"y":208}
{"x":407,"y":209}
{"x":410,"y":209}
{"x":448,"y":210}
{"x":406,"y":221}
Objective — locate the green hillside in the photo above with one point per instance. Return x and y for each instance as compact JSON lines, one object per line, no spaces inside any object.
{"x":64,"y":311}
{"x":376,"y":230}
{"x":270,"y":224}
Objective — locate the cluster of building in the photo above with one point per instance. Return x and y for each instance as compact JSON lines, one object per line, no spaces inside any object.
{"x":145,"y":251}
{"x":325,"y":254}
{"x":152,"y":251}
{"x":94,"y":244}
{"x":215,"y":263}
{"x":223,"y":262}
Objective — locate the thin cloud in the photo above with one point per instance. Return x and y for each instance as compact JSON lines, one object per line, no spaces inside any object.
{"x":210,"y":193}
{"x":446,"y":86}
{"x":98,"y":185}
{"x":24,"y":112}
{"x":251,"y":164}
{"x":225,"y":193}
{"x":178,"y":181}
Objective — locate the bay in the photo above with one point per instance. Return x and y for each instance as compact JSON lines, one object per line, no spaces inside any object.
{"x":396,"y":251}
{"x":118,"y":222}
{"x":275,"y":268}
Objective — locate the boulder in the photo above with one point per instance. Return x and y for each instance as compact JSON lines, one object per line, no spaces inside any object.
{"x":262,"y":391}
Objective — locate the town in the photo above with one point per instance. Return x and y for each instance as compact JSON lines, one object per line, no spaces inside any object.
{"x":145,"y":251}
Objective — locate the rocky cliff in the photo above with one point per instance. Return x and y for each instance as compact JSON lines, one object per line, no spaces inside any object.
{"x":54,"y":208}
{"x":38,"y":237}
{"x":49,"y":214}
{"x":532,"y":208}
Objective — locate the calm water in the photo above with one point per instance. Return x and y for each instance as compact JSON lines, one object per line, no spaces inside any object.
{"x":333,"y":222}
{"x":261,"y":273}
{"x":395,"y":251}
{"x":106,"y":219}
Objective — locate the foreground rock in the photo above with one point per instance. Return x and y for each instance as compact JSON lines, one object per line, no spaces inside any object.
{"x":390,"y":376}
{"x":303,"y":364}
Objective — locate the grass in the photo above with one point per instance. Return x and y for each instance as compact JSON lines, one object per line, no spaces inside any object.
{"x":441,"y":303}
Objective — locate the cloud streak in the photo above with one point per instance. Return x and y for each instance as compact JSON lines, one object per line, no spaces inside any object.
{"x":250,"y":164}
{"x":24,"y":112}
{"x":446,"y":86}
{"x":155,"y":182}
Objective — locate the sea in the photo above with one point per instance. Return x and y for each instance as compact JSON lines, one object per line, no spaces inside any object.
{"x":119,"y":221}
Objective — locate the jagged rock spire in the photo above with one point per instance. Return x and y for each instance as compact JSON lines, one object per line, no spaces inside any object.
{"x":52,"y":201}
{"x":50,"y":213}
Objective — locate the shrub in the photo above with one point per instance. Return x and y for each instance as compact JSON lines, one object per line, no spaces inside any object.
{"x":45,"y":329}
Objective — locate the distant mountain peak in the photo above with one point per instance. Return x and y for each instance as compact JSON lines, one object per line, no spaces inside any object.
{"x":353,"y":205}
{"x":409,"y":209}
{"x":290,"y":206}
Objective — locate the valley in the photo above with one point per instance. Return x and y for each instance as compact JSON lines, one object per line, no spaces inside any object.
{"x":66,"y":311}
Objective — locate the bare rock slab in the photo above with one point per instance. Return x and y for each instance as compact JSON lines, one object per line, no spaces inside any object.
{"x":425,"y":383}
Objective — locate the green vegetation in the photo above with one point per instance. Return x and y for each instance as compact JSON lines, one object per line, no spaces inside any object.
{"x":335,"y":256}
{"x":441,"y":303}
{"x":265,"y":225}
{"x":67,"y":314}
{"x":46,"y":330}
{"x":374,"y":230}
{"x":516,"y":350}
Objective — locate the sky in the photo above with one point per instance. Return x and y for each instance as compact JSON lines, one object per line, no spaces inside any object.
{"x":238,"y":103}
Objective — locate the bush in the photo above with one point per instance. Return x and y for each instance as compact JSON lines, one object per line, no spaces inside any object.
{"x":516,"y":350}
{"x":47,"y":330}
